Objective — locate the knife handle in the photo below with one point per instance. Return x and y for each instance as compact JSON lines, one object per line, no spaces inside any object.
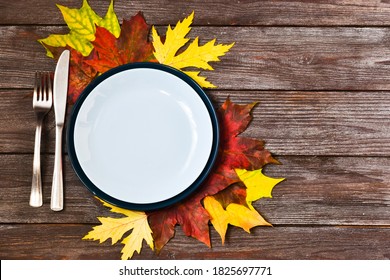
{"x":57,"y":190}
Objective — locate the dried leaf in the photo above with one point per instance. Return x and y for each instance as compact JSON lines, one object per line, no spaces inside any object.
{"x":224,"y":207}
{"x":82,"y":23}
{"x":132,"y":45}
{"x":170,"y":51}
{"x":234,"y":214}
{"x":116,"y":228}
{"x":235,"y":193}
{"x":258,"y":185}
{"x":238,"y":151}
{"x":190,"y":215}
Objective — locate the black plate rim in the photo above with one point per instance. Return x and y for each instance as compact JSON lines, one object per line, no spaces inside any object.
{"x":142,"y":206}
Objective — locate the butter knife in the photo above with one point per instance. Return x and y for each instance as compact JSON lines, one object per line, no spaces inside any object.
{"x":60,"y":90}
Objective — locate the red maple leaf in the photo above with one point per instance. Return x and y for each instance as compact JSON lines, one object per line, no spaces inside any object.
{"x":80,"y":74}
{"x":132,"y":45}
{"x":235,"y":152}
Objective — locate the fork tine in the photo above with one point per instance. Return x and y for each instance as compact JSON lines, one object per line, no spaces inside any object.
{"x":50,"y":87}
{"x":44,"y":86}
{"x":40,"y":87}
{"x":35,"y":96}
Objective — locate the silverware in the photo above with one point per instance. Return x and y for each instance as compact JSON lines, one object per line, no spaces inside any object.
{"x":42,"y":102}
{"x":60,"y":95}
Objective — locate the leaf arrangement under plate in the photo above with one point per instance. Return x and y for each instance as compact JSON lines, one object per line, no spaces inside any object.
{"x":99,"y":44}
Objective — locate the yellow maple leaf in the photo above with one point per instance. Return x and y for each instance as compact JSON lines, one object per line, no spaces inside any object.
{"x":81,"y":23}
{"x":234,"y":214}
{"x":196,"y":56}
{"x":257,"y":186}
{"x":116,"y":228}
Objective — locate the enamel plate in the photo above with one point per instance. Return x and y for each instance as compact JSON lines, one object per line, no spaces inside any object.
{"x":142,"y":136}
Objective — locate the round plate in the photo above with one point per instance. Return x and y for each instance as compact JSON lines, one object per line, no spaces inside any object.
{"x":143,"y":136}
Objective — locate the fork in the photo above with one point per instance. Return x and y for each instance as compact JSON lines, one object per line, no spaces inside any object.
{"x":42,"y":102}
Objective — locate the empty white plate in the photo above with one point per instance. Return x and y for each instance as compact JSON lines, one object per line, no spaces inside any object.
{"x":143,"y":136}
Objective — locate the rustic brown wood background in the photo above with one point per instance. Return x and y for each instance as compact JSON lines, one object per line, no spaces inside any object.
{"x":321,"y":71}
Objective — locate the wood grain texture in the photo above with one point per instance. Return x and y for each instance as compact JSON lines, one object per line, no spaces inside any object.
{"x":345,"y":123}
{"x":63,"y":241}
{"x":265,"y":58}
{"x":320,"y":71}
{"x":217,"y":12}
{"x":318,"y":191}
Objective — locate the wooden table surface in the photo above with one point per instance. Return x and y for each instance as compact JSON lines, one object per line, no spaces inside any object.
{"x":321,"y":72}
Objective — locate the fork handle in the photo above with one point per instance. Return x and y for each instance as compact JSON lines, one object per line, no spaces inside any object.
{"x":57,"y":191}
{"x":36,"y":186}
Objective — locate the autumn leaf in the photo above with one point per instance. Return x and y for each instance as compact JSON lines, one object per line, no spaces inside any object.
{"x":82,"y":24}
{"x":169,"y":51}
{"x":189,"y":214}
{"x":132,"y":45}
{"x":240,"y":152}
{"x":224,"y":207}
{"x":235,"y":193}
{"x":258,"y":185}
{"x":234,"y":214}
{"x":235,"y":152}
{"x":80,"y":74}
{"x":99,"y":44}
{"x":116,"y":228}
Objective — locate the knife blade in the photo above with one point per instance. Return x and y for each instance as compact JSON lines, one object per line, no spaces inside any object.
{"x":60,"y":87}
{"x":60,"y":92}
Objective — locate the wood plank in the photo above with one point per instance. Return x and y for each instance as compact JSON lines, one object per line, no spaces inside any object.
{"x":301,"y":58}
{"x":291,"y":123}
{"x":217,"y":12}
{"x":318,"y":191}
{"x":18,"y":122}
{"x":263,"y":58}
{"x":329,"y":191}
{"x":21,"y":55}
{"x":318,"y":123}
{"x":27,"y":242}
